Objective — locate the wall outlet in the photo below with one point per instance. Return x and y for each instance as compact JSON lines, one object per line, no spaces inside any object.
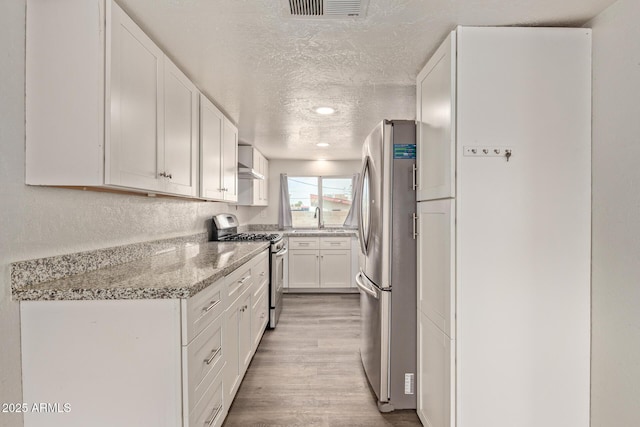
{"x":409,"y":383}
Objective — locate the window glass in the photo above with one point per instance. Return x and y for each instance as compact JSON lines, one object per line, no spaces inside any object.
{"x":303,"y":198}
{"x":336,"y":200}
{"x":316,"y":199}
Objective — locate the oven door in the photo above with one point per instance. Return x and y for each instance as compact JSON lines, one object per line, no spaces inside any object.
{"x":276,"y":286}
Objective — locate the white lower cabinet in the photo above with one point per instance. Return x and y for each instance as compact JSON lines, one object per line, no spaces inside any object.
{"x":242,"y":333}
{"x":320,"y":262}
{"x":260,"y":300}
{"x":237,"y":343}
{"x":335,"y":268}
{"x":211,"y":409}
{"x":143,"y":363}
{"x":304,"y":271}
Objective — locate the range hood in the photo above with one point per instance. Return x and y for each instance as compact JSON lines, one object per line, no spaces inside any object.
{"x":245,"y":172}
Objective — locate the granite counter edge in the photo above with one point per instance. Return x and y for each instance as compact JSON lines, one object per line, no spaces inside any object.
{"x":144,"y":292}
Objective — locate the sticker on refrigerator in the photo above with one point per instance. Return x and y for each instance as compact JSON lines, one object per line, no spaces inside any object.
{"x":404,"y":151}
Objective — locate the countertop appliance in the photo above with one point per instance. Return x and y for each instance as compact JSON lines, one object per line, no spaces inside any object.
{"x":387,"y":276}
{"x":225,"y":228}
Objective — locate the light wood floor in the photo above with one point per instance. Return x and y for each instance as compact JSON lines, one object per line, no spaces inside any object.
{"x":307,"y":372}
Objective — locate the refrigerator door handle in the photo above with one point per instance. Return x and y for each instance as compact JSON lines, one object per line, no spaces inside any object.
{"x":414,"y":172}
{"x":361,"y":229}
{"x":365,"y":288}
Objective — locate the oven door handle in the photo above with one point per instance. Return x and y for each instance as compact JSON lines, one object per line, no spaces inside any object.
{"x":365,"y":287}
{"x":282,"y":252}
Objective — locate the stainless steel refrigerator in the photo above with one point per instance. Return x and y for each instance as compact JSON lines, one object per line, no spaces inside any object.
{"x":387,"y":276}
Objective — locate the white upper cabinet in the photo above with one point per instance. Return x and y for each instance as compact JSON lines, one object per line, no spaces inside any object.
{"x":218,"y":154}
{"x":211,"y":123}
{"x":106,"y":107}
{"x":253,"y":192}
{"x":152,"y":142}
{"x":134,"y":154}
{"x":230,"y":160}
{"x":436,"y":109}
{"x":180,"y":132}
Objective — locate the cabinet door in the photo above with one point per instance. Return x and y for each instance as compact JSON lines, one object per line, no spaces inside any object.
{"x":180,"y":131}
{"x":231,"y":353}
{"x":259,"y":316}
{"x":335,"y":269}
{"x":134,"y":102}
{"x":436,"y":260}
{"x":436,"y":106}
{"x":244,"y":332}
{"x":303,"y":269}
{"x":211,"y":123}
{"x":435,"y":386}
{"x":257,"y":184}
{"x":230,"y":161}
{"x":265,"y":182}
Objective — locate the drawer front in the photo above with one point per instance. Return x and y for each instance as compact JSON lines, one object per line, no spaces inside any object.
{"x":335,"y":243}
{"x":202,"y":308}
{"x":204,"y":360}
{"x":238,"y":281}
{"x":258,"y":289}
{"x":260,"y":269}
{"x":210,"y":411}
{"x":304,"y":242}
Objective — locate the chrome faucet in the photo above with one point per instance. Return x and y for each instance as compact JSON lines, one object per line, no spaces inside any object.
{"x":316,"y":214}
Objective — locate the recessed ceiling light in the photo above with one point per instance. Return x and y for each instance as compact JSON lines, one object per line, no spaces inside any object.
{"x":322,"y":144}
{"x":325,"y":110}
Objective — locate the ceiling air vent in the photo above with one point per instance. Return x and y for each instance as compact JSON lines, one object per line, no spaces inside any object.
{"x":327,"y":9}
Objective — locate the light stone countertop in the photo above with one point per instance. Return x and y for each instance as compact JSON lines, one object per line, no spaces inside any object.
{"x":179,"y":273}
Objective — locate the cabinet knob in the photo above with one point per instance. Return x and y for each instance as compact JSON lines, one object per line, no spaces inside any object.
{"x":165,"y":175}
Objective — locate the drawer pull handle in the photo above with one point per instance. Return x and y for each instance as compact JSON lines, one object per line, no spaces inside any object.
{"x":210,"y":307}
{"x":214,"y":414}
{"x":335,"y":243}
{"x":244,"y":279}
{"x":213,"y":356}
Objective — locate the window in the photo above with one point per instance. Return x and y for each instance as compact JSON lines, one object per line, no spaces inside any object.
{"x":319,"y":200}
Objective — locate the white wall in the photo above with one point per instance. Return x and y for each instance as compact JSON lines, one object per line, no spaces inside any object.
{"x":615,"y":364}
{"x":37,"y":222}
{"x":269,"y":214}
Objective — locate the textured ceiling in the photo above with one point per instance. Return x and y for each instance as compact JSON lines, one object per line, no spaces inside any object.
{"x":268,"y":72}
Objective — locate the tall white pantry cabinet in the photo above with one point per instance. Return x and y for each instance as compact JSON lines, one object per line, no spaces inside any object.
{"x":504,"y":166}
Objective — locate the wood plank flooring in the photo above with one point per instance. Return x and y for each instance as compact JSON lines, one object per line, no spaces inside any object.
{"x":307,"y":372}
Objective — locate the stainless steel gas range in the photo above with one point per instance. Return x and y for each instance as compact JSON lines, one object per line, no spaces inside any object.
{"x":225,"y":228}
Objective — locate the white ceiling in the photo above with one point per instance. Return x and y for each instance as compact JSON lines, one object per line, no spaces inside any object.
{"x":268,"y":72}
